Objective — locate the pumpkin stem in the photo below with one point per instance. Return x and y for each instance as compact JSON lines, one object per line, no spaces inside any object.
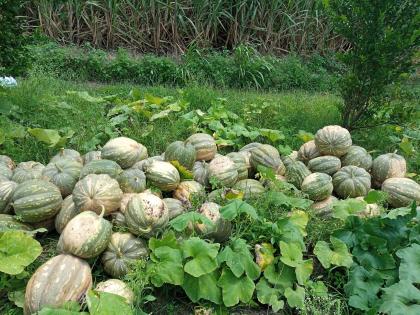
{"x":102,"y":211}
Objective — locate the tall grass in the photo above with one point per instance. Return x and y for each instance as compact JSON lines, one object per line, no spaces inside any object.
{"x":277,"y":26}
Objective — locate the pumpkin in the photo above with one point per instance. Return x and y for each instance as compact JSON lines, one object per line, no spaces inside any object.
{"x":357,"y":156}
{"x":308,"y":151}
{"x":216,"y":195}
{"x":141,"y":164}
{"x":9,"y":222}
{"x":401,"y":191}
{"x":296,"y":171}
{"x":324,"y":207}
{"x":318,"y":186}
{"x":201,"y":173}
{"x":123,"y":250}
{"x":124,"y":201}
{"x":333,"y":140}
{"x":327,"y":164}
{"x":221,"y":229}
{"x":250,"y":188}
{"x":267,"y":156}
{"x":241,"y":163}
{"x":146,"y":214}
{"x":175,"y":207}
{"x":204,"y":145}
{"x":163,"y":175}
{"x":371,"y":210}
{"x":183,"y":153}
{"x":64,"y":173}
{"x":249,"y":147}
{"x":5,"y":160}
{"x":118,"y":219}
{"x":187,"y":190}
{"x":86,"y":235}
{"x":132,"y":180}
{"x":4,"y":179}
{"x":96,"y":191}
{"x":92,"y":156}
{"x":117,"y":287}
{"x":69,"y":154}
{"x":26,"y":171}
{"x":351,"y":181}
{"x":223,"y":170}
{"x":61,"y":279}
{"x":124,"y":151}
{"x":108,"y":167}
{"x":5,"y":171}
{"x":67,"y":212}
{"x":36,"y":200}
{"x":7,"y":188}
{"x":387,"y":166}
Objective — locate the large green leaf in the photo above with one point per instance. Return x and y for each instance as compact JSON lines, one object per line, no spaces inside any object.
{"x":402,"y":298}
{"x":347,"y":207}
{"x":234,"y":289}
{"x":295,"y":298}
{"x":280,"y":275}
{"x":165,"y":266}
{"x":304,"y":270}
{"x":100,"y":303}
{"x":181,"y":222}
{"x":168,"y":239}
{"x":235,"y":208}
{"x":410,"y":263}
{"x":282,"y":200}
{"x":204,"y":287}
{"x":338,"y":256}
{"x":267,"y":294}
{"x":202,"y":256}
{"x":17,"y":250}
{"x":291,"y":254}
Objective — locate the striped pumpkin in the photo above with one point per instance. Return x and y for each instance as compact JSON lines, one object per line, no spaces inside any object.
{"x":162,"y":175}
{"x":69,"y":154}
{"x":7,"y":188}
{"x":5,"y":160}
{"x":250,"y":188}
{"x":67,"y":212}
{"x":143,"y":163}
{"x":223,"y":171}
{"x":351,"y":181}
{"x":327,"y":164}
{"x":201,"y":173}
{"x":175,"y":207}
{"x":9,"y":222}
{"x":401,"y":191}
{"x":387,"y":166}
{"x":92,"y":156}
{"x":118,"y":219}
{"x":333,"y":140}
{"x":318,"y":186}
{"x":124,"y":151}
{"x":324,"y":207}
{"x":242,"y":164}
{"x":204,"y":145}
{"x":267,"y":156}
{"x":357,"y":156}
{"x":26,"y":171}
{"x":64,"y":173}
{"x":122,"y":251}
{"x":296,"y":172}
{"x":86,"y":235}
{"x":117,"y":287}
{"x":96,"y":191}
{"x":132,"y":180}
{"x":36,"y":200}
{"x":62,"y":279}
{"x":108,"y":167}
{"x":250,"y":146}
{"x":5,"y":171}
{"x":187,"y":190}
{"x":308,"y":151}
{"x":221,"y":229}
{"x":183,"y":153}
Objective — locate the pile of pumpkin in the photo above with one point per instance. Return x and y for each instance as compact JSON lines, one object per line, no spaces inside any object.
{"x":112,"y":187}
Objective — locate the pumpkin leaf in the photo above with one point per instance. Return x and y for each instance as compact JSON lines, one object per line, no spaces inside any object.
{"x":100,"y":303}
{"x":204,"y":287}
{"x":162,"y":114}
{"x":291,"y":254}
{"x":165,"y":266}
{"x":155,"y":99}
{"x":264,"y":255}
{"x":338,"y":256}
{"x":266,"y":294}
{"x":87,"y":97}
{"x":59,"y":311}
{"x":272,"y":135}
{"x":410,"y":263}
{"x":234,"y":289}
{"x":181,"y":222}
{"x":235,"y":208}
{"x":17,"y":297}
{"x":295,"y":298}
{"x":202,"y":254}
{"x":48,"y":136}
{"x":375,"y":196}
{"x":304,"y":270}
{"x":280,"y":275}
{"x":305,"y":136}
{"x":17,"y":251}
{"x":348,"y":207}
{"x":401,"y":298}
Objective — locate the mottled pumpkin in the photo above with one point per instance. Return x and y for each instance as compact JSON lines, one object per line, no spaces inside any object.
{"x":308,"y":151}
{"x":327,"y":164}
{"x":7,"y":188}
{"x":296,"y":171}
{"x":92,"y":156}
{"x":387,"y":166}
{"x":318,"y":186}
{"x":132,"y":180}
{"x":143,"y":163}
{"x":5,"y":171}
{"x":242,"y":164}
{"x":204,"y":145}
{"x":249,"y":187}
{"x":64,"y":173}
{"x":67,"y":154}
{"x":26,"y":171}
{"x":201,"y":173}
{"x":223,"y":171}
{"x":175,"y":207}
{"x":351,"y":181}
{"x":187,"y":190}
{"x":324,"y":207}
{"x":267,"y":156}
{"x":124,"y":151}
{"x":5,"y":160}
{"x":357,"y":156}
{"x":117,"y":287}
{"x":103,"y":166}
{"x":221,"y":229}
{"x":67,"y":212}
{"x":401,"y":191}
{"x":162,"y":175}
{"x":333,"y":140}
{"x":183,"y":153}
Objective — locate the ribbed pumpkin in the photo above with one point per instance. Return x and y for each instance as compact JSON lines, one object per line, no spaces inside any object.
{"x":146,"y":214}
{"x":7,"y":188}
{"x":268,"y":156}
{"x":96,"y":191}
{"x":183,"y":153}
{"x":9,"y":222}
{"x":175,"y":207}
{"x":92,"y":156}
{"x":250,"y":187}
{"x":5,"y":171}
{"x":187,"y":190}
{"x":118,"y":219}
{"x":327,"y":164}
{"x":67,"y":212}
{"x":141,"y":164}
{"x":108,"y":167}
{"x":124,"y":201}
{"x":4,"y":179}
{"x":163,"y":175}
{"x":36,"y":200}
{"x":216,"y":195}
{"x":67,"y":154}
{"x":132,"y":180}
{"x":241,"y":163}
{"x":201,"y":173}
{"x":122,"y":251}
{"x":387,"y":166}
{"x":204,"y":145}
{"x":318,"y":186}
{"x":4,"y":159}
{"x":117,"y":287}
{"x":357,"y":156}
{"x":223,"y":170}
{"x":124,"y":151}
{"x":61,"y":279}
{"x":26,"y":171}
{"x":249,"y":147}
{"x":86,"y":235}
{"x":308,"y":151}
{"x":64,"y":173}
{"x":296,"y":171}
{"x":401,"y":191}
{"x":351,"y":181}
{"x":324,"y":207}
{"x":221,"y":229}
{"x":333,"y":140}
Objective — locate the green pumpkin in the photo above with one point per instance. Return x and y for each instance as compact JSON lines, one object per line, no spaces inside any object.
{"x":175,"y":207}
{"x":324,"y":207}
{"x":351,"y":181}
{"x":201,"y":173}
{"x":123,"y":250}
{"x":64,"y":173}
{"x":162,"y":175}
{"x":118,"y":219}
{"x":68,"y":154}
{"x":318,"y":186}
{"x":7,"y":188}
{"x":108,"y":167}
{"x":307,"y":152}
{"x":327,"y":164}
{"x":5,"y":160}
{"x":333,"y":140}
{"x":250,"y":146}
{"x":184,"y":153}
{"x":387,"y":166}
{"x":5,"y":171}
{"x":36,"y":200}
{"x":146,"y":215}
{"x":267,"y":156}
{"x":221,"y":229}
{"x":204,"y":145}
{"x":296,"y":171}
{"x":132,"y":180}
{"x":143,"y":163}
{"x":87,"y":235}
{"x":27,"y":171}
{"x":92,"y":156}
{"x":401,"y":191}
{"x":124,"y":151}
{"x":250,"y":187}
{"x":223,"y":171}
{"x":357,"y":156}
{"x":67,"y":212}
{"x":242,"y":165}
{"x":9,"y":222}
